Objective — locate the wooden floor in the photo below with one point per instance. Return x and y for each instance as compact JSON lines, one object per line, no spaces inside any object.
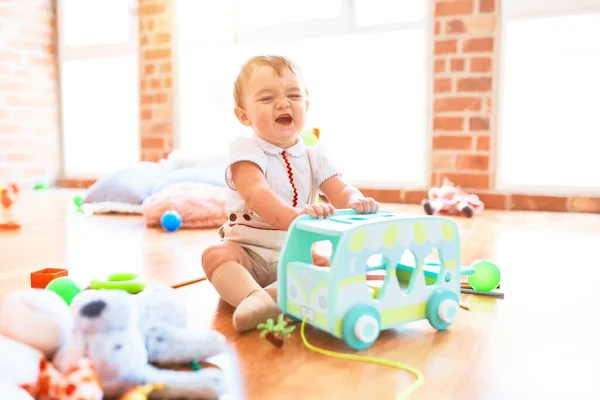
{"x":540,"y":341}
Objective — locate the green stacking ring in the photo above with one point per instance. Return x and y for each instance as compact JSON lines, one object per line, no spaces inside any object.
{"x":126,"y":281}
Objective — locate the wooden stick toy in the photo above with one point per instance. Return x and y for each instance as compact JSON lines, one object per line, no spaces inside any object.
{"x":472,"y":291}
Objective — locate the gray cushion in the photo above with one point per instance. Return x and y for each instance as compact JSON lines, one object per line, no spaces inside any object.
{"x":214,"y":175}
{"x":131,"y":185}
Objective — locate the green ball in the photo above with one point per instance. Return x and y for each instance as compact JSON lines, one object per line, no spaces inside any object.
{"x":65,"y":288}
{"x":486,"y":277}
{"x":78,"y":200}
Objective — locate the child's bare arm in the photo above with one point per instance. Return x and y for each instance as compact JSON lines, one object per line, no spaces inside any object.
{"x":343,"y":195}
{"x":252,"y":186}
{"x":340,"y":193}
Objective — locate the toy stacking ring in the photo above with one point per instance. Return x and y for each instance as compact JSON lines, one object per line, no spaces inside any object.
{"x":127,"y":281}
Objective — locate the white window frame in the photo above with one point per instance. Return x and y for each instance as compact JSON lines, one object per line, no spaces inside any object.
{"x":530,"y":9}
{"x":345,"y":24}
{"x":67,"y":53}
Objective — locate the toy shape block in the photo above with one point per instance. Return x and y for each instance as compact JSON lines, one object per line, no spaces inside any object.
{"x":40,"y":279}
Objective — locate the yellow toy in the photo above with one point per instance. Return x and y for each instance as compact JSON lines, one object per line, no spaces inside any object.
{"x":141,"y":392}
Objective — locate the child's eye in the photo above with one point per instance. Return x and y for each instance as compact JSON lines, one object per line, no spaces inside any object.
{"x":268,"y":98}
{"x":295,"y":96}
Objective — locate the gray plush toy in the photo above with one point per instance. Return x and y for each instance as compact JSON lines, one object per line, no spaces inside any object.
{"x":123,"y":334}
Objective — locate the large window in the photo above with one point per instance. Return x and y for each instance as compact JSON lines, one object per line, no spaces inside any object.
{"x":366,"y":65}
{"x":549,"y":125}
{"x":99,"y":86}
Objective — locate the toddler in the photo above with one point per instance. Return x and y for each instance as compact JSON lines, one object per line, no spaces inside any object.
{"x":273,"y":178}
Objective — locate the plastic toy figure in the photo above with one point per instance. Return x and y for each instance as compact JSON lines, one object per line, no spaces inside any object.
{"x":8,"y":197}
{"x":451,"y":200}
{"x":276,"y":333}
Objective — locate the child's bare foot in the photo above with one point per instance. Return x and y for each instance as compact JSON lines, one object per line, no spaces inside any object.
{"x":254,"y":309}
{"x":320,"y":260}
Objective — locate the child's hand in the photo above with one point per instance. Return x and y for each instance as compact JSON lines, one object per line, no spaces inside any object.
{"x":365,"y":205}
{"x":319,"y":210}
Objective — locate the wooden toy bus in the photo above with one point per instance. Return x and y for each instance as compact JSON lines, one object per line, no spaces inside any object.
{"x":341,"y":300}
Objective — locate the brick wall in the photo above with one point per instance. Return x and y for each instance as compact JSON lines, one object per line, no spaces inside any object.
{"x":465,"y":37}
{"x":156,"y":78}
{"x":29,"y":123}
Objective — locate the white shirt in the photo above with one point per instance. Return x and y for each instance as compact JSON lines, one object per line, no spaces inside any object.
{"x":272,"y":161}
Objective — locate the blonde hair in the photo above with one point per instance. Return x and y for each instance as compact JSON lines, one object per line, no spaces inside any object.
{"x":277,"y":62}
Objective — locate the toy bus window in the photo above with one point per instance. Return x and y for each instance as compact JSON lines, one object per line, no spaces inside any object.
{"x":405,"y":269}
{"x":432,"y":268}
{"x":377,"y":275}
{"x":321,"y":252}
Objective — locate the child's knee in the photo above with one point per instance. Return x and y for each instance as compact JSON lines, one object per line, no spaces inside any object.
{"x":217,"y":255}
{"x":212,"y":257}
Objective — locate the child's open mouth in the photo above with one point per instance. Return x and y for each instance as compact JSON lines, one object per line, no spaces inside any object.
{"x":284,"y":119}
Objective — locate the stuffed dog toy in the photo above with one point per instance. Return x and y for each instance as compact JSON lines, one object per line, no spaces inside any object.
{"x":123,"y":334}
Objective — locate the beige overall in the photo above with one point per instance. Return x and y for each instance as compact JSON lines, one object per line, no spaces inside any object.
{"x":260,"y":240}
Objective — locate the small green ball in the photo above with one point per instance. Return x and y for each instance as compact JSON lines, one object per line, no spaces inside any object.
{"x":486,"y":277}
{"x":65,"y":288}
{"x":78,"y":200}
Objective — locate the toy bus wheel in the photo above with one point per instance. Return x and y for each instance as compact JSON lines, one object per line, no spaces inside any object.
{"x":361,"y":326}
{"x":442,"y":309}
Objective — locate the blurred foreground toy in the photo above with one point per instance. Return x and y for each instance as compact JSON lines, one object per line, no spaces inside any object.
{"x":34,"y":323}
{"x":141,"y":392}
{"x":451,"y":200}
{"x":136,"y":340}
{"x":8,"y":197}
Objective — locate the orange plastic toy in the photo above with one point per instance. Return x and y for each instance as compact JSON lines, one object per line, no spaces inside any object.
{"x":8,"y":197}
{"x":40,"y":279}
